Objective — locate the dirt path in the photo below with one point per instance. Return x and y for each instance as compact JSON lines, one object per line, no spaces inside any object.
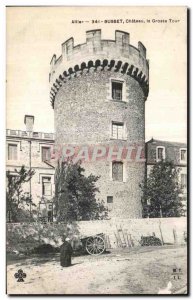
{"x":121,"y":272}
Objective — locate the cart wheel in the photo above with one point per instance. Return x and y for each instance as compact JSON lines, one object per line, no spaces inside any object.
{"x":95,"y":245}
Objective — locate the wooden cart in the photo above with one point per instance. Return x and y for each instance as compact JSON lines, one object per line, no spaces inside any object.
{"x":94,"y":245}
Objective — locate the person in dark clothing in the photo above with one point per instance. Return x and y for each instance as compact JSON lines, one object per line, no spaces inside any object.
{"x":65,"y":253}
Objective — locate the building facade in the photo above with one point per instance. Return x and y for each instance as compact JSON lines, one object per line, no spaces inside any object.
{"x":33,"y":149}
{"x":98,"y":91}
{"x":157,"y":150}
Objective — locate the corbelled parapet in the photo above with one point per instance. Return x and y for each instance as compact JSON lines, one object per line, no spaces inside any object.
{"x":99,"y":55}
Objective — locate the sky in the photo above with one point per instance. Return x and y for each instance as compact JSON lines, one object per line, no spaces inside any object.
{"x":34,"y":34}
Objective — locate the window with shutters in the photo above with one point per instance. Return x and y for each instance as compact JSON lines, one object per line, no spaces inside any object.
{"x":117,"y":90}
{"x":12,"y":152}
{"x":46,"y":186}
{"x":117,"y":130}
{"x":117,"y":171}
{"x":46,"y":153}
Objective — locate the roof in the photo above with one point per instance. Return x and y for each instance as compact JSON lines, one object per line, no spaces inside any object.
{"x":177,"y":144}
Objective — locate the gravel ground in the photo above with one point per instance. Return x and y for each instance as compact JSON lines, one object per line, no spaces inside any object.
{"x":146,"y":270}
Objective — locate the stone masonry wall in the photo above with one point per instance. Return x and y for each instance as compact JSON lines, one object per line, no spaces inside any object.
{"x":129,"y":232}
{"x":84,"y":116}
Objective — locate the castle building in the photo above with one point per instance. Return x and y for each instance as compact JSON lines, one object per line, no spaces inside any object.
{"x":33,"y":149}
{"x":98,"y":91}
{"x":157,"y":150}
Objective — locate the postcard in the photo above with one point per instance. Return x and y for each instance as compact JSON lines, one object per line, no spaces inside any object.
{"x":96,"y":143}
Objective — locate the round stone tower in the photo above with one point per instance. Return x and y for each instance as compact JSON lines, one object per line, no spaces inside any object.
{"x":98,"y":91}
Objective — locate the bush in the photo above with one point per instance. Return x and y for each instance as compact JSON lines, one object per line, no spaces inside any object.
{"x":150,"y":241}
{"x":26,"y":237}
{"x":44,"y":249}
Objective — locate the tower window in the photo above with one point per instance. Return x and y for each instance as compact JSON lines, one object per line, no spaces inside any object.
{"x":45,"y":153}
{"x":160,"y":153}
{"x":117,"y":90}
{"x":12,"y":152}
{"x":46,"y":186}
{"x":117,"y":130}
{"x":109,"y":199}
{"x":117,"y":171}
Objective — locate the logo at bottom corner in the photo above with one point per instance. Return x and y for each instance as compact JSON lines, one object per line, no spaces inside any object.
{"x":177,"y":273}
{"x":20,"y":275}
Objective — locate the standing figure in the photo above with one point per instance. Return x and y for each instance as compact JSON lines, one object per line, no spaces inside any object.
{"x":65,"y":253}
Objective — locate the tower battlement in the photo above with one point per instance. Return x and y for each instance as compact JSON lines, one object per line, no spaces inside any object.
{"x":97,"y":54}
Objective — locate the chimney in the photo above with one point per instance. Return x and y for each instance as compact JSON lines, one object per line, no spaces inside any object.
{"x":29,"y":122}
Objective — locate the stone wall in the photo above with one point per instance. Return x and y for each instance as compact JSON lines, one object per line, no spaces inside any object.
{"x":129,"y":231}
{"x":135,"y":228}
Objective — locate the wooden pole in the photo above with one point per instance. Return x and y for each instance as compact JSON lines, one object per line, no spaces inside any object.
{"x":116,"y":240}
{"x":162,"y":240}
{"x":131,"y":242}
{"x":119,"y":238}
{"x":125,"y":243}
{"x":175,"y":237}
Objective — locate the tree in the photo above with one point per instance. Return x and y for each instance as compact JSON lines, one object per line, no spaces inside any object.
{"x":161,"y":192}
{"x":75,"y":194}
{"x":16,"y":198}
